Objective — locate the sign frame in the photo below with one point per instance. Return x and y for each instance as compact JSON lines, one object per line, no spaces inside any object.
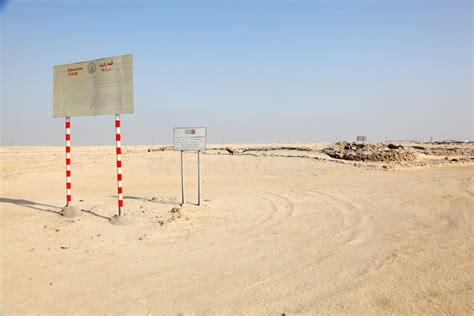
{"x":199,"y":148}
{"x":101,"y":86}
{"x":110,"y":93}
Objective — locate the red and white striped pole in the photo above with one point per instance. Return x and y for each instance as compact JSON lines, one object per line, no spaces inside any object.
{"x":68,"y":160}
{"x":119,"y":163}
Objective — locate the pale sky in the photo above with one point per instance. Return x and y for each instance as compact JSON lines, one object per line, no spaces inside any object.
{"x":250,"y":71}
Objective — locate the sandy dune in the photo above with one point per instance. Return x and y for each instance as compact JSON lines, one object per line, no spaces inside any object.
{"x":275,"y":235}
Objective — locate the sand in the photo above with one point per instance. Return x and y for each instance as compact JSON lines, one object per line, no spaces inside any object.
{"x":274,"y":235}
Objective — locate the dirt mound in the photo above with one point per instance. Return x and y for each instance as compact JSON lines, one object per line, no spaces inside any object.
{"x":444,"y":151}
{"x":370,"y":152}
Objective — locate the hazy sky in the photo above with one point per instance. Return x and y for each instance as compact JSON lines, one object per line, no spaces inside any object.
{"x":251,"y":71}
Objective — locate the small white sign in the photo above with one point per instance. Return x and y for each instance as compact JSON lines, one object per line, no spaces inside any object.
{"x":190,"y":138}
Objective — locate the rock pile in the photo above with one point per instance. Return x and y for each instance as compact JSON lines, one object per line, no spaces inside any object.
{"x":370,"y":152}
{"x":445,"y":151}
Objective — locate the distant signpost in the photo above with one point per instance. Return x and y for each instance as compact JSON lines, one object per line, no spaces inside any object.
{"x":190,"y":139}
{"x":95,"y":87}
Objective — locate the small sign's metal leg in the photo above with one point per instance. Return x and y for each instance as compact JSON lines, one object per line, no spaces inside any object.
{"x":182,"y":179}
{"x":199,"y":178}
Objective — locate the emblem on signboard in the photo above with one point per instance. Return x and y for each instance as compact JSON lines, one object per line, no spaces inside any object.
{"x":91,"y":67}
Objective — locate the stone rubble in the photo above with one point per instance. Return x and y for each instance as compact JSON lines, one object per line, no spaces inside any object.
{"x":370,"y":152}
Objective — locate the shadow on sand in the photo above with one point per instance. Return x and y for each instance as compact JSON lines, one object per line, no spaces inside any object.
{"x":45,"y":207}
{"x":95,"y":214}
{"x":33,"y":205}
{"x":152,"y":200}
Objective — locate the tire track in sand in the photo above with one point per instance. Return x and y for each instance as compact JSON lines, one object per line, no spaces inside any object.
{"x":247,"y":224}
{"x":355,"y":226}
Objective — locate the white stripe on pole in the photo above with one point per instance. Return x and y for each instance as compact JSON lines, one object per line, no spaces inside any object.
{"x":68,"y":160}
{"x":118,"y":152}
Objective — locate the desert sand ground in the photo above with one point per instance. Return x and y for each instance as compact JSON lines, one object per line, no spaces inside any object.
{"x":274,"y":235}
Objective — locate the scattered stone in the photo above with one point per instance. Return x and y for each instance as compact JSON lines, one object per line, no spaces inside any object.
{"x":370,"y":152}
{"x":64,"y":247}
{"x":393,"y":146}
{"x":445,"y":149}
{"x":175,"y":210}
{"x":175,"y":214}
{"x":162,"y":148}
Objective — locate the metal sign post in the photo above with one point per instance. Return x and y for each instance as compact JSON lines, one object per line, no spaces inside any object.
{"x":182,"y":179}
{"x":190,"y":139}
{"x":68,"y":160}
{"x":199,"y":177}
{"x":89,"y":88}
{"x":118,"y":146}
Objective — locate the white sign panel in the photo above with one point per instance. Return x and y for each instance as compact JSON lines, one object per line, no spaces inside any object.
{"x":190,"y":138}
{"x":95,"y":87}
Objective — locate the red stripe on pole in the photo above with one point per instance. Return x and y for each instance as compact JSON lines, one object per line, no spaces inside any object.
{"x":119,"y":163}
{"x":68,"y":161}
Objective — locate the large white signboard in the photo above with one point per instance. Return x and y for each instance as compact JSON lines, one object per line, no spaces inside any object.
{"x":190,"y":138}
{"x":95,"y":87}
